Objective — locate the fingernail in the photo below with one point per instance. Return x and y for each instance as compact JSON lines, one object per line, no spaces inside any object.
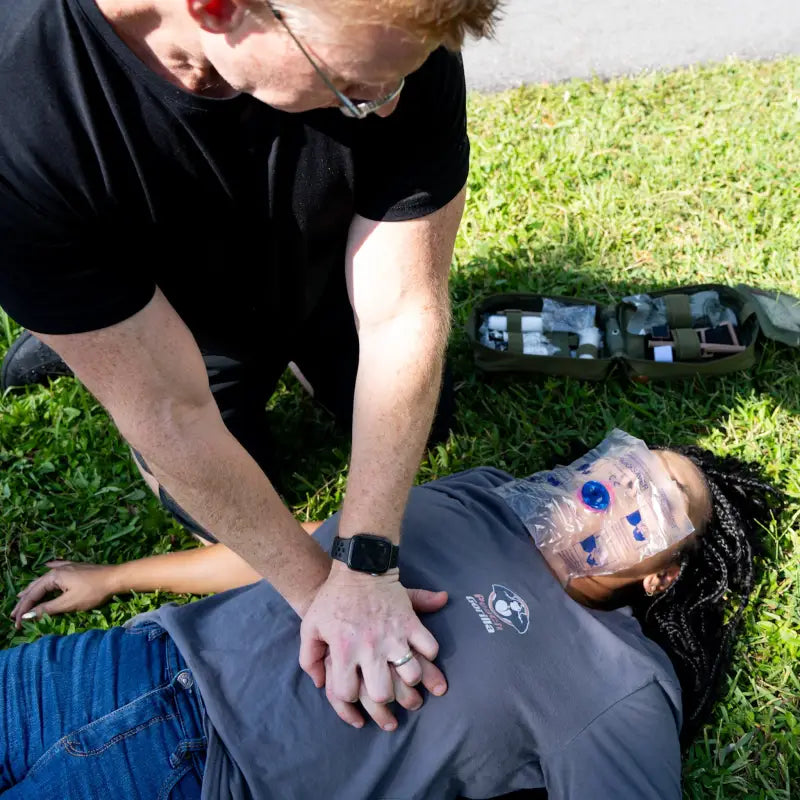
{"x":439,"y":690}
{"x":357,"y":724}
{"x":389,"y":726}
{"x":417,"y":707}
{"x":29,"y":615}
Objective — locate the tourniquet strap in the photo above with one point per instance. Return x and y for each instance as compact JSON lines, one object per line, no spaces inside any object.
{"x":514,"y":327}
{"x":687,"y":344}
{"x":679,"y":314}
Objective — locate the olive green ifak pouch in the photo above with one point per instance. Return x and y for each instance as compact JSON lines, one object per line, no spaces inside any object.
{"x":773,"y":314}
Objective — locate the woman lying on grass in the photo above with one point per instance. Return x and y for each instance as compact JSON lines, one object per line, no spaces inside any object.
{"x":550,"y":685}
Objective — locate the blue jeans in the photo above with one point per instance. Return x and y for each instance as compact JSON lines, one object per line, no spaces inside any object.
{"x":104,"y":714}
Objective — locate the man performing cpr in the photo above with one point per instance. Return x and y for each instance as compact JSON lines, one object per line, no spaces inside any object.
{"x":194,"y":193}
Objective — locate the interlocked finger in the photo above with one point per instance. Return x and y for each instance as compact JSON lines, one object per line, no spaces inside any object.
{"x":381,"y":713}
{"x":432,"y":677}
{"x":341,"y":675}
{"x":405,"y":695}
{"x":377,"y":681}
{"x":407,"y":668}
{"x":347,"y":712}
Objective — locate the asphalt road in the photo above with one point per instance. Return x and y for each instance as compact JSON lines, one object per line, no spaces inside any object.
{"x":551,"y":40}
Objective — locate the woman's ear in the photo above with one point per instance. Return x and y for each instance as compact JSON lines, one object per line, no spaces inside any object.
{"x":657,"y":582}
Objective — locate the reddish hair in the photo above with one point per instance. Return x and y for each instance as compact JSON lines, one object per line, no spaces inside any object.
{"x":445,"y":21}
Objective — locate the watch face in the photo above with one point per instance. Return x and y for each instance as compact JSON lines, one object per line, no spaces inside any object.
{"x":370,"y":554}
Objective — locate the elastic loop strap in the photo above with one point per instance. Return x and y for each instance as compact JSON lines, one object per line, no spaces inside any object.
{"x":515,"y":342}
{"x":514,"y":321}
{"x":679,"y":314}
{"x":687,"y":344}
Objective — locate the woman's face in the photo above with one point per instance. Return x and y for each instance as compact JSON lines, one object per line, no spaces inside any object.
{"x":609,"y":510}
{"x":696,"y":500}
{"x":686,"y":487}
{"x":659,"y":571}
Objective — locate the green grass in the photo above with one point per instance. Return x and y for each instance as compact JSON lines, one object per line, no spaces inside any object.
{"x":590,"y":189}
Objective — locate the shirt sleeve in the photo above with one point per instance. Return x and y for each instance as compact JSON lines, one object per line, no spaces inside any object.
{"x":416,"y":160}
{"x":59,"y":275}
{"x":630,"y":752}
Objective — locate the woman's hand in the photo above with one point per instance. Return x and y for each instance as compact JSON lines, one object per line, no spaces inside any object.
{"x":82,"y":587}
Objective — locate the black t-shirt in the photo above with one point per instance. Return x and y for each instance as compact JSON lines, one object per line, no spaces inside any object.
{"x":113,"y":181}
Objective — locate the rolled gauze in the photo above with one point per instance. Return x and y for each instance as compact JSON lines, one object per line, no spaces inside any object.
{"x":589,"y":343}
{"x":530,"y":322}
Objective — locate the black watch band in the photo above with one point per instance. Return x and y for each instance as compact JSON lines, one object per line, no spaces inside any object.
{"x":366,"y":552}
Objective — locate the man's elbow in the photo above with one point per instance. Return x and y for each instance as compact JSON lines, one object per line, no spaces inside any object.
{"x":421,"y":329}
{"x":168,"y":424}
{"x":431,"y":324}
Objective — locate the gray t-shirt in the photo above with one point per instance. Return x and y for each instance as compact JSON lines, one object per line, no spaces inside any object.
{"x":542,"y":691}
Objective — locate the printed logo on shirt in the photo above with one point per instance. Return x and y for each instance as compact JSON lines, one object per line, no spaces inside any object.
{"x":503,"y":608}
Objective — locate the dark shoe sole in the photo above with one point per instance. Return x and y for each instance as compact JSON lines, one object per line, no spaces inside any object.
{"x":7,"y":382}
{"x":12,"y":351}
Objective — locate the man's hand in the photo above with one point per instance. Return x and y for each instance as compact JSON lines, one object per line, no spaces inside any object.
{"x":358,"y":623}
{"x":82,"y":587}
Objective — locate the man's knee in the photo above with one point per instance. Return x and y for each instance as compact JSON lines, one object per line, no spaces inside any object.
{"x":169,"y":503}
{"x":148,"y":478}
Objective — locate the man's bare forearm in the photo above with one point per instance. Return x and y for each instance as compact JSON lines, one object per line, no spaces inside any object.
{"x":217,"y":483}
{"x":149,"y":374}
{"x":397,"y":389}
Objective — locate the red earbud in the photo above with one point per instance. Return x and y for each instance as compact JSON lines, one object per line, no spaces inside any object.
{"x":215,"y":7}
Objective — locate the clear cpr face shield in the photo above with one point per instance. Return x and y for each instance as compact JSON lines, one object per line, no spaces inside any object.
{"x":605,"y":512}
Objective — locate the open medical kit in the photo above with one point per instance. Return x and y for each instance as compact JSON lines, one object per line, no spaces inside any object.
{"x":708,"y":329}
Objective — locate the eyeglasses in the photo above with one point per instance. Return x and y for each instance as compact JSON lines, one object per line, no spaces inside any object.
{"x":348,"y":107}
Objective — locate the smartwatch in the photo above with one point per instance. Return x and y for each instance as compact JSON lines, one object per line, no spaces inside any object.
{"x":366,"y":552}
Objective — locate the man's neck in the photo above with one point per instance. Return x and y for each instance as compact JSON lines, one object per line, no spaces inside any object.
{"x":164,"y":37}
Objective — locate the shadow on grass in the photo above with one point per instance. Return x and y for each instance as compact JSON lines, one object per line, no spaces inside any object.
{"x":689,"y":407}
{"x":312,"y":452}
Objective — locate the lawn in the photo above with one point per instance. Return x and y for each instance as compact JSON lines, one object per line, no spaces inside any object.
{"x":593,"y":189}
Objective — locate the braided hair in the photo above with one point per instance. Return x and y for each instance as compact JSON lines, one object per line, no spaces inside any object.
{"x":696,"y":618}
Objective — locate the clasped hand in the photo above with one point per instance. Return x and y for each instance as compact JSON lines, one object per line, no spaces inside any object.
{"x":356,"y":625}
